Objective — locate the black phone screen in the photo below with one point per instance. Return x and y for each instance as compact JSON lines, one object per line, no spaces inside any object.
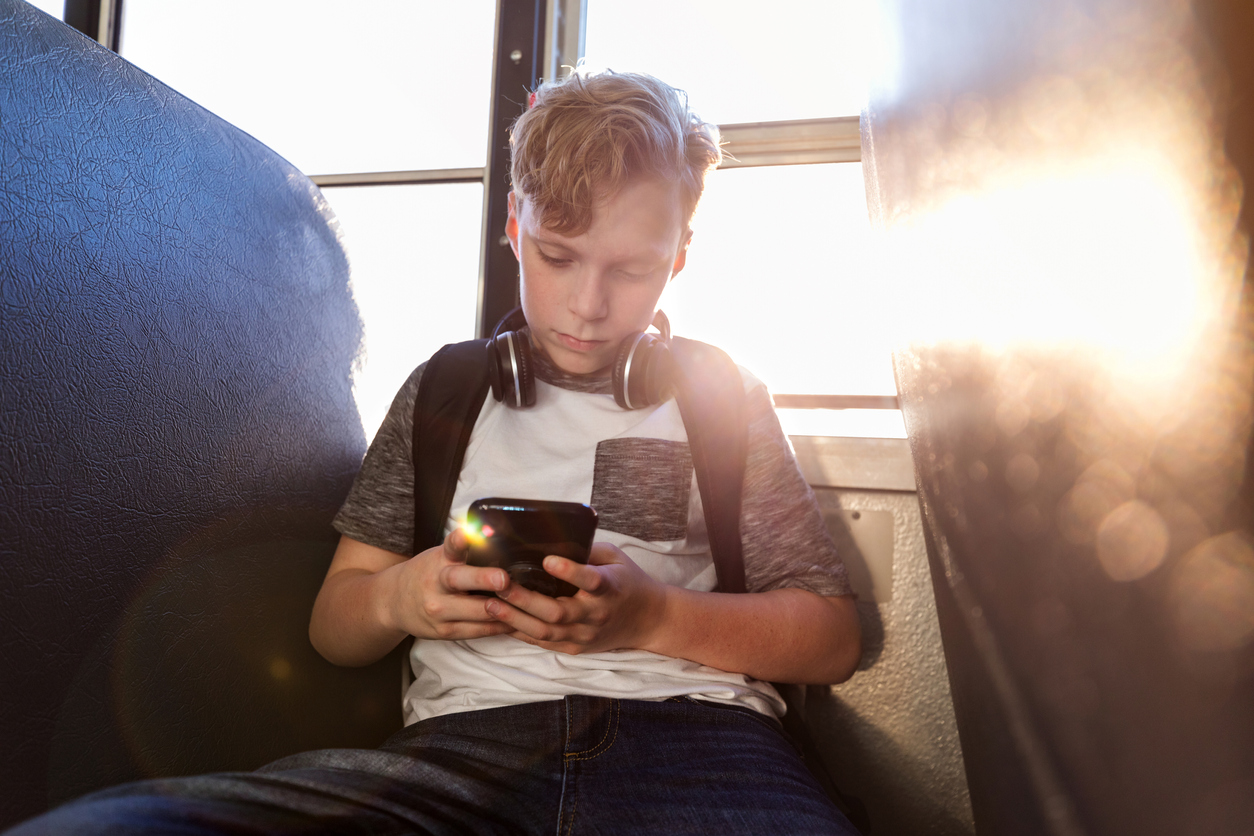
{"x":517,"y":534}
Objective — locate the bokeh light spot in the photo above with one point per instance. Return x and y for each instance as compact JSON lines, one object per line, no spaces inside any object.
{"x":280,"y":669}
{"x":1100,"y":489}
{"x":1212,"y":594}
{"x":1132,"y":541}
{"x":1022,"y":473}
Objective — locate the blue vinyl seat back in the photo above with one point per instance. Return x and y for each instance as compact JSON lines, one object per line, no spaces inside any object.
{"x":177,"y":429}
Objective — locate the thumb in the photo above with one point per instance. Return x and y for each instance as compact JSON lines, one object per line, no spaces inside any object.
{"x":603,"y":554}
{"x":455,"y":545}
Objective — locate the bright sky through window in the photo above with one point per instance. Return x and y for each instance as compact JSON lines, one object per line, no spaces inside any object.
{"x":414,"y":254}
{"x":56,"y":8}
{"x":780,"y":272}
{"x":380,"y":86}
{"x":799,"y":59}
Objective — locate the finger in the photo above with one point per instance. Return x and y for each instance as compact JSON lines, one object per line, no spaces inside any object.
{"x":560,"y":647}
{"x":458,"y":630}
{"x":537,"y":604}
{"x":460,"y":577}
{"x":585,"y":577}
{"x":526,"y":625}
{"x":452,"y":609}
{"x":568,"y":645}
{"x":455,"y":545}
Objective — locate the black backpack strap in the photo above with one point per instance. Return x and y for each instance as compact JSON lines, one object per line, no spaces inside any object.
{"x":712,"y":402}
{"x":711,"y":397}
{"x":451,"y":393}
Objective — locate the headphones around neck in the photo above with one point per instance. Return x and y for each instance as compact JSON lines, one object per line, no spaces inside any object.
{"x":642,"y":372}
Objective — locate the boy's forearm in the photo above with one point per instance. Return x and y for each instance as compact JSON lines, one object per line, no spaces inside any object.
{"x":785,"y":635}
{"x":345,"y":627}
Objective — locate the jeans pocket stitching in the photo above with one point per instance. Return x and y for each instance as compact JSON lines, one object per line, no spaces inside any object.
{"x":602,"y":746}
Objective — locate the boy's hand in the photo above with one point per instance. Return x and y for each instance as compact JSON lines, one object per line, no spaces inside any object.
{"x":617,"y":606}
{"x":429,"y":596}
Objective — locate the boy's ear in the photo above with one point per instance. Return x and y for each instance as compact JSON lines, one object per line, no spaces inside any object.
{"x":511,"y":227}
{"x":682,"y":257}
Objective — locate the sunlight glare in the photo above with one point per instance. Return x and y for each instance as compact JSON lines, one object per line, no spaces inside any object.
{"x":779,"y":275}
{"x":1105,"y":258}
{"x":813,"y":66}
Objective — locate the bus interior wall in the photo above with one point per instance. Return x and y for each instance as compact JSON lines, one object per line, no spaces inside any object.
{"x":1070,"y":180}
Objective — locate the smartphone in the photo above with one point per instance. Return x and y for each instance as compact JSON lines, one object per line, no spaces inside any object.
{"x":516,"y":534}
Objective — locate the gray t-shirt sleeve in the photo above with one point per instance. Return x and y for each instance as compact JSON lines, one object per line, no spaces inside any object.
{"x":379,"y":510}
{"x":785,"y":541}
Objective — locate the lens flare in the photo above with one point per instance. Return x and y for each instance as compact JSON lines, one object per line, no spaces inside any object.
{"x":474,"y":535}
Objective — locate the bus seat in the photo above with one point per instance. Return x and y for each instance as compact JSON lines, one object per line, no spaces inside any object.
{"x":178,"y":339}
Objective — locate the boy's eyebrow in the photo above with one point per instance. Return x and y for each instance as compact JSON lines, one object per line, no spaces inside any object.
{"x":549,"y":242}
{"x":641,"y":260}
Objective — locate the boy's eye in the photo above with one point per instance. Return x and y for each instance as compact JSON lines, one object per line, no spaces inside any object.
{"x":548,"y":259}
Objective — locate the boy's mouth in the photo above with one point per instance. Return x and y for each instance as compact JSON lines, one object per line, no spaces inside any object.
{"x":578,"y":345}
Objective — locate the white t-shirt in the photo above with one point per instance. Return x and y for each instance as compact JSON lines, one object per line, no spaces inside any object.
{"x":552,"y":451}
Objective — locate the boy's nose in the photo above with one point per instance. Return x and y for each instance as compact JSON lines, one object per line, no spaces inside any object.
{"x":588,"y":299}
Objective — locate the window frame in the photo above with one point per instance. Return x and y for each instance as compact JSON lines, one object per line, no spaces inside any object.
{"x":535,"y":39}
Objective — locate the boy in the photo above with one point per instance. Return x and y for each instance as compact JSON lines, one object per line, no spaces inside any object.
{"x":640,"y":704}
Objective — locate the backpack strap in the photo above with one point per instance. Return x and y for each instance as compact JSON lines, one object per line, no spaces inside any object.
{"x":450,"y":396}
{"x":711,"y":397}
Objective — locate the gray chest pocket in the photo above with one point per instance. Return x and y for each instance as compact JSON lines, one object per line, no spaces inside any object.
{"x":640,"y":487}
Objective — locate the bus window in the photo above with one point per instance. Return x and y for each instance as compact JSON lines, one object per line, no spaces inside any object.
{"x":351,"y":100}
{"x":779,"y":273}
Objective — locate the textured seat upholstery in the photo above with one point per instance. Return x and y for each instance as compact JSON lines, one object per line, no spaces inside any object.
{"x":177,"y":428}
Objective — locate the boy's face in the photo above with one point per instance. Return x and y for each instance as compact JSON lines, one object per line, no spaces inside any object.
{"x":583,"y":294}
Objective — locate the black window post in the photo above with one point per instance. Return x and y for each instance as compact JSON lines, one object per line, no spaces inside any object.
{"x":84,"y":15}
{"x":517,"y":67}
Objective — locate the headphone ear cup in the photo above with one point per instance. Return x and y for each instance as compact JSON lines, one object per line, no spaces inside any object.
{"x":619,"y":373}
{"x":526,"y":370}
{"x":496,"y":374}
{"x":642,"y":371}
{"x":510,"y":369}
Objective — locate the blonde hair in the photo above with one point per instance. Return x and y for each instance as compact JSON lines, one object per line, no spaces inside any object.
{"x":584,"y":137}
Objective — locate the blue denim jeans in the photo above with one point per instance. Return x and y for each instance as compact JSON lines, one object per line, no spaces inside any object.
{"x":582,"y":765}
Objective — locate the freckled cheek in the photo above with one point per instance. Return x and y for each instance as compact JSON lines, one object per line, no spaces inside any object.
{"x":637,"y":309}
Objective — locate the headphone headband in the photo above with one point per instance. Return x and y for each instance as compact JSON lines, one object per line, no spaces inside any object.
{"x":514,"y":320}
{"x":663,"y":325}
